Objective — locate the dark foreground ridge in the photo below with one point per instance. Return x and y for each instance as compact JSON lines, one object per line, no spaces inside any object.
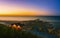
{"x":28,"y":29}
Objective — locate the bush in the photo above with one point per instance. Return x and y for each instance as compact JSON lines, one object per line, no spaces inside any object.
{"x":6,"y":32}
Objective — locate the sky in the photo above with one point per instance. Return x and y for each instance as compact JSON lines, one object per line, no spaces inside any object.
{"x":29,"y":7}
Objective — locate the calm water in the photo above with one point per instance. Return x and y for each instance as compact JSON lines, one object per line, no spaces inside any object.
{"x":52,"y":19}
{"x":44,"y":18}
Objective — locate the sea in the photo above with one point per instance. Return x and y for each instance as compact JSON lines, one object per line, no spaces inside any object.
{"x":55,"y":20}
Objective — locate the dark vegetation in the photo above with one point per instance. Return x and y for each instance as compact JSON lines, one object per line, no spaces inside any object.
{"x":32,"y":25}
{"x":6,"y":32}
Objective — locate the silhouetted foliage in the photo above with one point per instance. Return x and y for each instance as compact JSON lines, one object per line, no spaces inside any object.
{"x":6,"y":32}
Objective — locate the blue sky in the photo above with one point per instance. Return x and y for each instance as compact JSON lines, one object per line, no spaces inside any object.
{"x":51,"y":5}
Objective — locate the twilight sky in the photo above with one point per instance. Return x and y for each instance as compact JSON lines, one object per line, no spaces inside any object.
{"x":29,"y":7}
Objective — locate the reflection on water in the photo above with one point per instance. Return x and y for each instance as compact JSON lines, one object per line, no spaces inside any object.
{"x":17,"y":18}
{"x":44,"y":18}
{"x":52,"y":19}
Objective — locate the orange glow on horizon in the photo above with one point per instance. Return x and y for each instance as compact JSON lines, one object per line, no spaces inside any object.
{"x":18,"y":14}
{"x":16,"y":10}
